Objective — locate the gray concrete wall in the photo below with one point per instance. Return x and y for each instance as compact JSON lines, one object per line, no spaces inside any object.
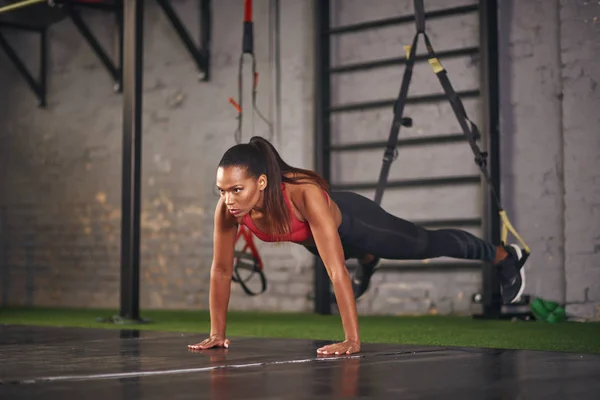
{"x":60,"y":167}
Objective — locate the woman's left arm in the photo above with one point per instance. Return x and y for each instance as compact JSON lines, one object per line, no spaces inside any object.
{"x":313,"y":206}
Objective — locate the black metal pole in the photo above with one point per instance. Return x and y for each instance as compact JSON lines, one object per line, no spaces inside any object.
{"x":447,"y":12}
{"x":119,"y":21}
{"x":92,"y":41}
{"x":43,"y":65}
{"x":322,"y":134}
{"x":205,"y":30}
{"x":387,"y":62}
{"x":184,"y":35}
{"x":492,"y":301}
{"x":20,"y":65}
{"x":132,"y":157}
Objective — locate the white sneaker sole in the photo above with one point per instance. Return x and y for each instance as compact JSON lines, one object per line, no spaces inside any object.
{"x":522,"y":272}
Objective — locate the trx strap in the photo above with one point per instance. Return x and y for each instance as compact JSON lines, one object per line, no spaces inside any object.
{"x":469,"y":128}
{"x":248,"y":48}
{"x":248,"y":258}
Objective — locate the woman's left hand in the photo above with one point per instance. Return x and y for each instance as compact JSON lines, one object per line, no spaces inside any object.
{"x":345,"y":347}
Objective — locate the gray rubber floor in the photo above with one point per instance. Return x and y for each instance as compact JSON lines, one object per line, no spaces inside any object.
{"x":67,"y":363}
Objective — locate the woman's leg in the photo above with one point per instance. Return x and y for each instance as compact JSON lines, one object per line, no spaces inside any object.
{"x":367,"y":226}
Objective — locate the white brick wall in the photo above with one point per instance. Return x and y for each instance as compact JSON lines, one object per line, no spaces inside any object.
{"x":532,"y":138}
{"x":580,"y":73}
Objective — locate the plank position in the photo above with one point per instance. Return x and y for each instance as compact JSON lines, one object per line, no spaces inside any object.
{"x":278,"y":202}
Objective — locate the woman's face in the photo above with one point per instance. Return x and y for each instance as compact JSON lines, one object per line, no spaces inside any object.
{"x":240,"y":192}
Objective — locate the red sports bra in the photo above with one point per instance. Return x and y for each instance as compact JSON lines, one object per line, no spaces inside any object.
{"x":299,"y":231}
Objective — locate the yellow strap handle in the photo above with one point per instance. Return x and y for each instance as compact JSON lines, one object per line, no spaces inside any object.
{"x":20,"y":4}
{"x":507,"y":226}
{"x":436,"y":65}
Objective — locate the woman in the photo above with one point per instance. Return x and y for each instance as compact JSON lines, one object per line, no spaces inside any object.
{"x":278,"y":202}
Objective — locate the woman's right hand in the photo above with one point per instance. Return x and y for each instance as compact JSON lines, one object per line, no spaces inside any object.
{"x":212,"y":341}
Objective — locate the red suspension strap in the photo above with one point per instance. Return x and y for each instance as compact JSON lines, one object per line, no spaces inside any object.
{"x":248,"y":11}
{"x":248,"y":48}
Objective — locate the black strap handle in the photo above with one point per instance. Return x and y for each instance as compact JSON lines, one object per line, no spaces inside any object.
{"x":249,"y":263}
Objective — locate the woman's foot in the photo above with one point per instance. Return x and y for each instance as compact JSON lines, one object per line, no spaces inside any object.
{"x":509,"y":262}
{"x":362,"y":275}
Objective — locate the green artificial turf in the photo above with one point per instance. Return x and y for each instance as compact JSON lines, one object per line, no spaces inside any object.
{"x":426,"y":330}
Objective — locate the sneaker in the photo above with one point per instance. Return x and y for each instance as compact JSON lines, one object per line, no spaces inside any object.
{"x":512,"y":275}
{"x":362,"y":277}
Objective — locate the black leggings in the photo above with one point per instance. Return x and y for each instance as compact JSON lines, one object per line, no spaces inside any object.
{"x":367,"y":228}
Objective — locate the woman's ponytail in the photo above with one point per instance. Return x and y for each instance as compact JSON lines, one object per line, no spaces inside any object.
{"x":277,"y":214}
{"x":273,"y":163}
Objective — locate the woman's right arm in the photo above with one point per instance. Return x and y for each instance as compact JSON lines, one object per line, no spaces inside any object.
{"x":221,"y":269}
{"x":221,"y":272}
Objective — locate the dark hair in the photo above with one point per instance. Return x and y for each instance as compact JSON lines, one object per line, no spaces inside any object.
{"x":259,"y":157}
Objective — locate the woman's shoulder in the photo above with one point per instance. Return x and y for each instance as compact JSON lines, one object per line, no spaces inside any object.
{"x":297,"y":180}
{"x":300,"y":179}
{"x":304,"y":188}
